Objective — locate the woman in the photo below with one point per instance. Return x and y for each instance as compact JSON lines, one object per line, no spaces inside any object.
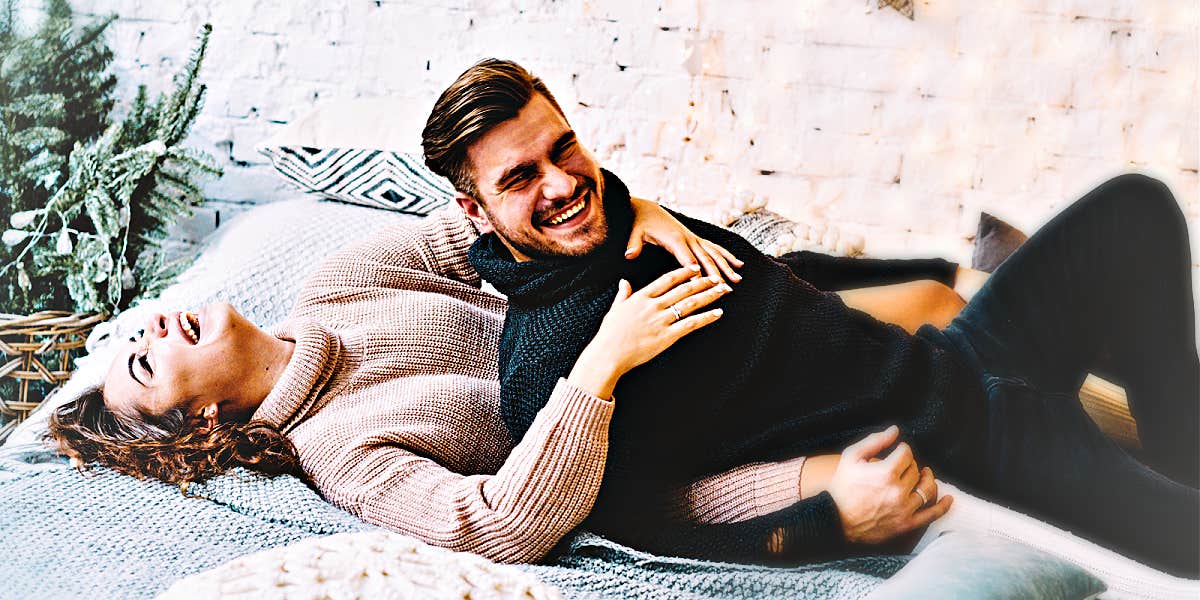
{"x":380,"y":388}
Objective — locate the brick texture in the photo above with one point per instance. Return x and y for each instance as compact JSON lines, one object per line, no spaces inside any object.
{"x":899,"y":130}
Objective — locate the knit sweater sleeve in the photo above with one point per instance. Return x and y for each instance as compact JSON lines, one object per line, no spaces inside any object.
{"x":545,"y":488}
{"x":741,"y":493}
{"x":836,"y":273}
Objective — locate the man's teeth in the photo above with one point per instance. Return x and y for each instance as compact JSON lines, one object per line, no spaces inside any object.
{"x":186,"y":324}
{"x":570,"y":212}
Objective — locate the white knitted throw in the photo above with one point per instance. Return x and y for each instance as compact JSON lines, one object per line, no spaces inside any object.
{"x":369,"y":564}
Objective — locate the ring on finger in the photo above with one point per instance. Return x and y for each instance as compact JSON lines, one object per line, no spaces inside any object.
{"x":678,"y":315}
{"x":924,"y":499}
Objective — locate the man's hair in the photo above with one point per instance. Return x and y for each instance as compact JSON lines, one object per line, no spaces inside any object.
{"x":490,"y":92}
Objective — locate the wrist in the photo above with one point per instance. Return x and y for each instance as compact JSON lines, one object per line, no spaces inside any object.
{"x":816,"y":475}
{"x":595,"y":375}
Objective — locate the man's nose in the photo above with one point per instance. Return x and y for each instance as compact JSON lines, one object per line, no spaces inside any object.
{"x":558,"y":183}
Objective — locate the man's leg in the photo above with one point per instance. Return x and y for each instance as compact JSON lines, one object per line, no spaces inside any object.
{"x":1048,"y":459}
{"x":1109,"y":276}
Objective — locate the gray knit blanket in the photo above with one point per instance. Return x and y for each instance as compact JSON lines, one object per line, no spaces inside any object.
{"x":106,"y":535}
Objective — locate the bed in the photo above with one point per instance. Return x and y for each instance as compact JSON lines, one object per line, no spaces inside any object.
{"x":102,"y":534}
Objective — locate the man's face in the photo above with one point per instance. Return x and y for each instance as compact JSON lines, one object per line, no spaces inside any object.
{"x":539,"y":190}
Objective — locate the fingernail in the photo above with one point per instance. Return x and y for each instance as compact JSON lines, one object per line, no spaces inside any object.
{"x":628,"y":252}
{"x":735,"y":277}
{"x":694,"y":267}
{"x":715,"y":279}
{"x":725,"y":288}
{"x":718,"y":312}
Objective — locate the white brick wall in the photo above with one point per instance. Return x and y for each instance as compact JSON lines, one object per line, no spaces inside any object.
{"x":901,"y":130}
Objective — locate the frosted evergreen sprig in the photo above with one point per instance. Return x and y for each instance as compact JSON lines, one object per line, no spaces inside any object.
{"x":99,"y":232}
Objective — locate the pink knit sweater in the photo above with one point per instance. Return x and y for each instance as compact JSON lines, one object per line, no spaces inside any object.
{"x":392,"y":400}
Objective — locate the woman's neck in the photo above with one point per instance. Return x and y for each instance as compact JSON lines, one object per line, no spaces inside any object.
{"x":264,"y":372}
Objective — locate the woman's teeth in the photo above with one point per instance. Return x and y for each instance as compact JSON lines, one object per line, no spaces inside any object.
{"x":567,"y":214}
{"x":186,"y":323}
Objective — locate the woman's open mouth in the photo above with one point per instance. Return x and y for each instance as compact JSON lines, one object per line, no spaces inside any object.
{"x":571,"y":215}
{"x":190,"y":324}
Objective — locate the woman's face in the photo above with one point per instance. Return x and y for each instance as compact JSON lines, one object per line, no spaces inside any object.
{"x":184,"y":360}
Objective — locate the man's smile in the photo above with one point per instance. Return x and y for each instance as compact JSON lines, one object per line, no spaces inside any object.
{"x":570,"y":214}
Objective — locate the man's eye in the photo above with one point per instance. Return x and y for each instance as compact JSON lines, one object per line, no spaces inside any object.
{"x":564,"y":152}
{"x":519,"y":181}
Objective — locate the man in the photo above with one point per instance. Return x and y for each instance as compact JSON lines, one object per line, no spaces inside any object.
{"x":791,"y":370}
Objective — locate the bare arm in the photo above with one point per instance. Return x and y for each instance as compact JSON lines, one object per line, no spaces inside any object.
{"x":909,"y":305}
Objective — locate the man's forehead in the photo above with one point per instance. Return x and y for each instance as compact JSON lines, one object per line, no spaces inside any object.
{"x":520,"y":139}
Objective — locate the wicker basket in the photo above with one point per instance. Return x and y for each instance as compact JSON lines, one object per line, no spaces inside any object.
{"x":38,"y":351}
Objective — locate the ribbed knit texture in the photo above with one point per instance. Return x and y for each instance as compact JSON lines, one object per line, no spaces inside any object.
{"x":788,"y":371}
{"x":392,"y":400}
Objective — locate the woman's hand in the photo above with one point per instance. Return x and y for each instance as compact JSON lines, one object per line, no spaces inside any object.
{"x":651,"y":223}
{"x":877,"y":498}
{"x":640,"y":325}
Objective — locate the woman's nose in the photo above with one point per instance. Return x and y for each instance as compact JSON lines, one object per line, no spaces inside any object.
{"x":156,"y":325}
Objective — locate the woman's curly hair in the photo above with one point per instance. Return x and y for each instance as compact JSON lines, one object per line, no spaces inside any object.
{"x":174,"y":448}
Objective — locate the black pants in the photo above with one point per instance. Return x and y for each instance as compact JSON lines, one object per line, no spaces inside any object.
{"x":1104,"y":286}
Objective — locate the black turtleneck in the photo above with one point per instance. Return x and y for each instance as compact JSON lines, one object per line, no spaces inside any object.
{"x":788,"y":370}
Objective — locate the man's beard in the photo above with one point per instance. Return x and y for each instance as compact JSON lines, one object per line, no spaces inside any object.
{"x":548,"y":249}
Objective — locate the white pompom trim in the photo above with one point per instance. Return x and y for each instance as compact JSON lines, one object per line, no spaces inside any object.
{"x":815,"y":237}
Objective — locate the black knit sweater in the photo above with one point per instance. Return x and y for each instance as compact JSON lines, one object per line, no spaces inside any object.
{"x":789,"y":370}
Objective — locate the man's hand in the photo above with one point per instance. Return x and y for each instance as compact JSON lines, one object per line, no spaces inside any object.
{"x":876,"y":498}
{"x":651,"y":223}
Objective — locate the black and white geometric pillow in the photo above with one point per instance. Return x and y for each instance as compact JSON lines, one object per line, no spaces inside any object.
{"x":397,"y":181}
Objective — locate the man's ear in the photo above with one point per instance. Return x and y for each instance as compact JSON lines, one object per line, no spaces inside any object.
{"x":474,"y":211}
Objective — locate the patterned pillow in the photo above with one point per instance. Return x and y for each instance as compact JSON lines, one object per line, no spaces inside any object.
{"x":397,"y":181}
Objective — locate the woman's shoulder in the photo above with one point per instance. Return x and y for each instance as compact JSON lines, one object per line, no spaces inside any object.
{"x":451,"y":419}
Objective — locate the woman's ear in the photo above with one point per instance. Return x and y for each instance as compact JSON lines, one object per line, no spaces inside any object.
{"x":211,"y":414}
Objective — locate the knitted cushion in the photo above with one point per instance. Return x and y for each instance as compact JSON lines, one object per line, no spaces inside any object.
{"x":397,"y":181}
{"x":773,"y":234}
{"x":370,"y":564}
